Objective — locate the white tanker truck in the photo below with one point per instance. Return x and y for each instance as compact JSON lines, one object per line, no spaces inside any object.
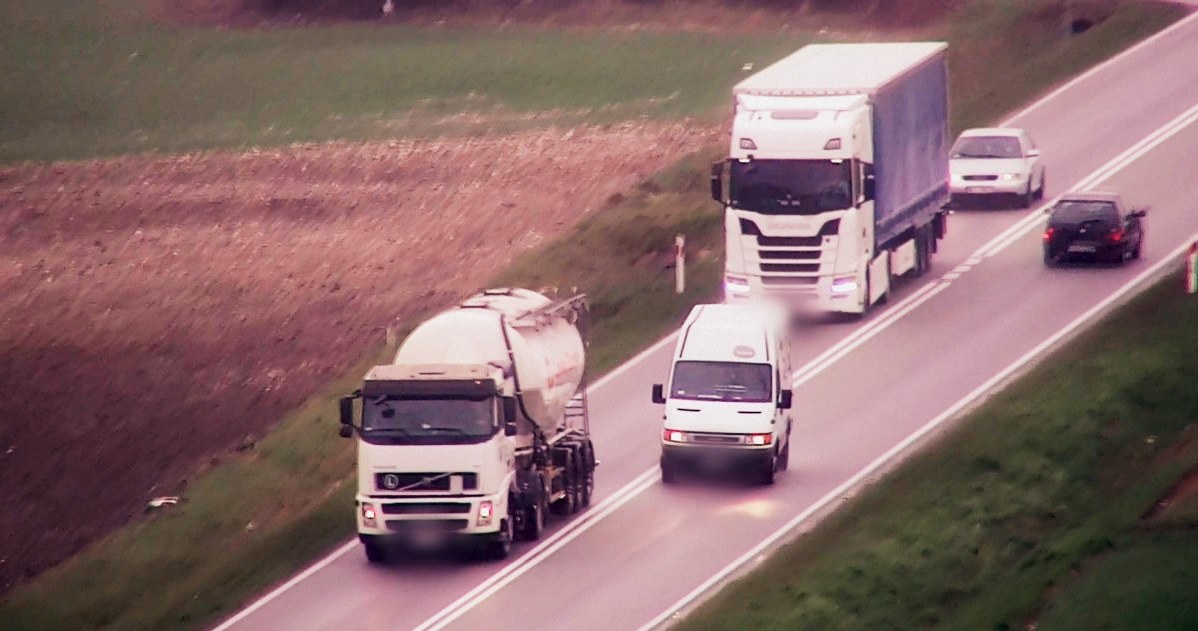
{"x":476,"y":430}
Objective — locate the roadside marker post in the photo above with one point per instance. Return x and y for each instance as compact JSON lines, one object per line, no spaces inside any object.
{"x":1192,"y":269}
{"x":679,"y":264}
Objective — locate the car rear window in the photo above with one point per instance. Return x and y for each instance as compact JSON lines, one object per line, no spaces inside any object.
{"x":1076,"y":211}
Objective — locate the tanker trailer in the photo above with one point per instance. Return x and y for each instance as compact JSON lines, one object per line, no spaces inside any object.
{"x":477,"y":430}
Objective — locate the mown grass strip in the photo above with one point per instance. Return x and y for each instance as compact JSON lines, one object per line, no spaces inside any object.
{"x":257,"y":518}
{"x":1052,"y":474}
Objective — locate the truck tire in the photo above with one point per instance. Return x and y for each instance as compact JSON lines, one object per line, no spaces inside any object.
{"x":588,"y":480}
{"x":500,"y":548}
{"x":566,"y":504}
{"x":376,"y":552}
{"x":534,"y":521}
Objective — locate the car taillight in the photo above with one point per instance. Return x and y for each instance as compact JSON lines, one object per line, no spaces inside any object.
{"x":1048,"y":233}
{"x":1116,"y":235}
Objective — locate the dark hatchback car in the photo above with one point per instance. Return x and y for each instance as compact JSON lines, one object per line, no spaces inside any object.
{"x":1093,"y":227}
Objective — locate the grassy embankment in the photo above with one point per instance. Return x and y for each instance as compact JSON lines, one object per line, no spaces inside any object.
{"x":203,"y":558}
{"x":101,"y":80}
{"x":1031,"y":515}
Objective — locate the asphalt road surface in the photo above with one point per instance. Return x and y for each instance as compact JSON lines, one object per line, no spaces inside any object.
{"x":864,"y":391}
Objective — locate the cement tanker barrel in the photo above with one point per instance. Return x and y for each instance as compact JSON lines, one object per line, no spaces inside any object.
{"x":542,"y":336}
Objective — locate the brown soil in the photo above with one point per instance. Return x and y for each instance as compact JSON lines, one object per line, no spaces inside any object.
{"x":687,"y":15}
{"x":159,"y":310}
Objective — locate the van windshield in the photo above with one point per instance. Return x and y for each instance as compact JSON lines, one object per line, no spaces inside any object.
{"x":722,"y":381}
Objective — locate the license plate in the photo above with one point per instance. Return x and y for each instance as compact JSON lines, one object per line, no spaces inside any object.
{"x":1082,"y":248}
{"x":426,"y":538}
{"x":979,"y":189}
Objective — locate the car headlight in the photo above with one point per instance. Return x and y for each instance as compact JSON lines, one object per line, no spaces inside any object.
{"x":1012,"y":176}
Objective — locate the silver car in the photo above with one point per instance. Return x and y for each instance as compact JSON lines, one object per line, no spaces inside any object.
{"x":995,"y":163}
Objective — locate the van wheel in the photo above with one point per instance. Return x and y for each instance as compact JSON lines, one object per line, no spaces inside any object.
{"x":669,"y":473}
{"x":782,"y":462}
{"x":766,"y":475}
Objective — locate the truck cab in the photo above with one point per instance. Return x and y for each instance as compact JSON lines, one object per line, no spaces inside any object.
{"x":728,"y":397}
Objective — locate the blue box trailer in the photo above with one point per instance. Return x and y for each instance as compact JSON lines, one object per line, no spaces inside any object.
{"x":911,"y":147}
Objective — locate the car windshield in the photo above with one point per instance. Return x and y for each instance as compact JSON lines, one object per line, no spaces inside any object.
{"x":721,"y":381}
{"x":790,"y":187}
{"x":1078,"y":211}
{"x":428,"y":420}
{"x":987,"y":147}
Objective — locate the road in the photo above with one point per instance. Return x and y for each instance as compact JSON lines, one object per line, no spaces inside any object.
{"x":863,"y":392}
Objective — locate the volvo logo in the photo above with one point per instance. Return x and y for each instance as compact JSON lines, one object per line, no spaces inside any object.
{"x":390,"y":481}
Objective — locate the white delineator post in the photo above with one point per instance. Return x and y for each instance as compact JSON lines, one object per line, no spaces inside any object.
{"x":679,"y":264}
{"x":1192,"y":269}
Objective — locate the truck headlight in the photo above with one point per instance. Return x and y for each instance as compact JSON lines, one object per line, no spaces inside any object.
{"x":759,"y":439}
{"x":369,"y":516}
{"x":673,"y":436}
{"x":486,"y":510}
{"x":736,"y":284}
{"x":844,"y":285}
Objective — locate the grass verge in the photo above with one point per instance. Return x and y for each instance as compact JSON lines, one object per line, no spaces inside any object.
{"x":1029,"y":514}
{"x":82,"y":82}
{"x":258,"y":517}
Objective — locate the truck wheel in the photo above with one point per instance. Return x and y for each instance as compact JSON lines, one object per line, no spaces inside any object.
{"x":500,"y":548}
{"x":376,"y":552}
{"x":588,"y":477}
{"x":566,"y":504}
{"x":534,"y":521}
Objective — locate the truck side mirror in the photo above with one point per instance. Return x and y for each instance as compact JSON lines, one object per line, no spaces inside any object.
{"x":717,"y":183}
{"x":346,"y":409}
{"x":659,"y":395}
{"x":509,"y":410}
{"x":870,"y":185}
{"x":786,"y":399}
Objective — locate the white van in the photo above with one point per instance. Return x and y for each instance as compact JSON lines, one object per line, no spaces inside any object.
{"x":729,"y":398}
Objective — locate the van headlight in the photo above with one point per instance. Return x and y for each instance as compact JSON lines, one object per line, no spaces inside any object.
{"x":1012,"y":176}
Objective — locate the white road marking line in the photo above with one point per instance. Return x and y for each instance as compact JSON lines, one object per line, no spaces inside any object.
{"x":349,"y":545}
{"x":890,"y":454}
{"x":485,"y":590}
{"x":1099,"y":68}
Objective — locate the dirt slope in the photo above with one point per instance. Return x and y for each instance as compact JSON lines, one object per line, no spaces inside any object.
{"x":156,"y":311}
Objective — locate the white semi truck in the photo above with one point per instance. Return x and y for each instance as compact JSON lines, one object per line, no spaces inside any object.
{"x":837,"y":174}
{"x":476,"y":430}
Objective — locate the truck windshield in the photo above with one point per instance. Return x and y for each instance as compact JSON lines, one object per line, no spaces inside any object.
{"x":722,"y":381}
{"x":428,"y":420}
{"x":790,"y":187}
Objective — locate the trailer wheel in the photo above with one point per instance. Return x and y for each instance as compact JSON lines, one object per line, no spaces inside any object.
{"x":588,"y":468}
{"x":566,"y":504}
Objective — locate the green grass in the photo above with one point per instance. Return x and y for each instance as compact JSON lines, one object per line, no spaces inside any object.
{"x":1052,"y":474}
{"x":296,"y":487}
{"x":92,"y":81}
